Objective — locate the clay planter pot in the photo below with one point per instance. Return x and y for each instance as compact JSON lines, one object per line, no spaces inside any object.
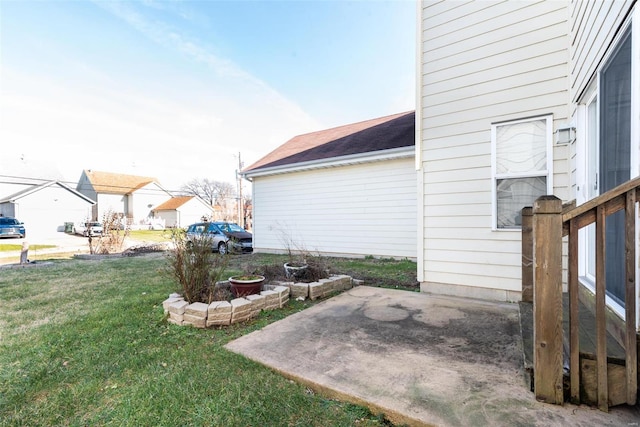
{"x":294,"y":270}
{"x":241,"y":286}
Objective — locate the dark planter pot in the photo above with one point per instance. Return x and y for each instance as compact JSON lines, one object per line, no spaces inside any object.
{"x":241,"y":287}
{"x":294,"y":270}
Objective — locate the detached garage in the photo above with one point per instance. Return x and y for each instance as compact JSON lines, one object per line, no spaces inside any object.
{"x":346,"y":191}
{"x":180,"y":211}
{"x":46,"y":207}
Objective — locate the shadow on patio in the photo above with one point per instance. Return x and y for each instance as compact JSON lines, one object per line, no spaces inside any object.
{"x":419,"y":359}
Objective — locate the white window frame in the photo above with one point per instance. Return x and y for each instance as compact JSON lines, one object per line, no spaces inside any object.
{"x":582,"y":157}
{"x":548,"y":172}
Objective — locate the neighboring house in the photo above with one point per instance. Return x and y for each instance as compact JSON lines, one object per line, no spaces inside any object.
{"x":349,"y":190}
{"x":500,"y":85}
{"x":130,"y":196}
{"x":182,"y":211}
{"x":45,"y":208}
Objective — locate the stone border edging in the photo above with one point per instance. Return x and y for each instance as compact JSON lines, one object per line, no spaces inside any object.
{"x":273,"y":296}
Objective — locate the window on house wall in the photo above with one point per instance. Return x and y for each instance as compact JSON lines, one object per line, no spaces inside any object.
{"x":521,"y":157}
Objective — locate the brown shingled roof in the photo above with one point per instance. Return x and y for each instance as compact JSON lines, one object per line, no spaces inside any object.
{"x":383,"y":133}
{"x":173,"y":203}
{"x":115,"y":183}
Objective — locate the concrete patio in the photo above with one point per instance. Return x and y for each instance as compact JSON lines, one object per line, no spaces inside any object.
{"x":419,"y":359}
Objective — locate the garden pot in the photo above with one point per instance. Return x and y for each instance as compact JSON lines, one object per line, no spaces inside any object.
{"x":241,"y":286}
{"x":294,"y":270}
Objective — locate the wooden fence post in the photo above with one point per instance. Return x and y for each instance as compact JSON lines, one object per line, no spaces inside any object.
{"x":527,"y":254}
{"x":24,"y":253}
{"x":547,"y":299}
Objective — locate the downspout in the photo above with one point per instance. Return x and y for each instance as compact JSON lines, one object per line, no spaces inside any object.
{"x":635,"y":134}
{"x":418,"y":144}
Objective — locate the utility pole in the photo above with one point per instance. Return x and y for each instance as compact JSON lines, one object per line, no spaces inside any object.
{"x":239,"y":178}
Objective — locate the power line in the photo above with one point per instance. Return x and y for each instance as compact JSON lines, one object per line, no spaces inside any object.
{"x":76,"y":184}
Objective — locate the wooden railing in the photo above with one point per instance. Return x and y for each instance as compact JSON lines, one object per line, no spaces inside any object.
{"x":543,"y":228}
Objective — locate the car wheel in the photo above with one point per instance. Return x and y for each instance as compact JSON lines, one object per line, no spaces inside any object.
{"x":222,"y":248}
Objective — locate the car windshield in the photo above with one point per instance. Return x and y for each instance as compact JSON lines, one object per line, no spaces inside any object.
{"x":8,"y":221}
{"x":231,"y":227}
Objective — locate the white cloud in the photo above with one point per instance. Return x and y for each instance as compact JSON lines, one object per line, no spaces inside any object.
{"x":97,"y":120}
{"x":106,"y":130}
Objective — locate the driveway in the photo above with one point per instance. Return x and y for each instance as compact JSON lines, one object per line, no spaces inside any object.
{"x":67,"y":243}
{"x":417,"y":358}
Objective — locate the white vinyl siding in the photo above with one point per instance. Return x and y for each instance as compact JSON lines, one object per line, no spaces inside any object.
{"x":45,"y":211}
{"x":143,"y":200}
{"x":593,"y":26}
{"x":114,"y":203}
{"x":482,"y":63}
{"x":357,"y":210}
{"x":191,"y":212}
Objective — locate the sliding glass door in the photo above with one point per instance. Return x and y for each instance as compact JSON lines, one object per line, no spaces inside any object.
{"x":615,"y":156}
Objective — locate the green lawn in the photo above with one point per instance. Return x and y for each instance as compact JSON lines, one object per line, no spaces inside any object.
{"x":151,"y":235}
{"x":86,"y":343}
{"x":8,"y":247}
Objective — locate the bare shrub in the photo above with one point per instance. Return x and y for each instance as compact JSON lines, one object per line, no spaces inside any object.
{"x":317,"y":268}
{"x":195,"y":267}
{"x":114,"y":232}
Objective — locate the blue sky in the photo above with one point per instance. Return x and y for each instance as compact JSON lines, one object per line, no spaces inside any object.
{"x":175,"y":89}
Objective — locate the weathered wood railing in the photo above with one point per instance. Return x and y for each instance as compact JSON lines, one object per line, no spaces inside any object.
{"x":543,"y":228}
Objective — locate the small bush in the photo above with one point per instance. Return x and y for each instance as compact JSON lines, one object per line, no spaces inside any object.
{"x":114,"y":233}
{"x":196,"y":268}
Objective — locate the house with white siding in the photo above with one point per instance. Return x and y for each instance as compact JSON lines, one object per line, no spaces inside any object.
{"x":129,"y":196}
{"x":345,"y":191}
{"x":497,"y":82}
{"x":499,"y":87}
{"x":181,"y":211}
{"x":493,"y":88}
{"x":518,"y":100}
{"x":44,"y":208}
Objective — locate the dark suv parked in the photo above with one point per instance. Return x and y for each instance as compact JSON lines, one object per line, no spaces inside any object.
{"x":225,"y":236}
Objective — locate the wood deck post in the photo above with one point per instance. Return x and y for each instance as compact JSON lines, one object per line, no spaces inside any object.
{"x":547,"y":299}
{"x":631,"y":345}
{"x":527,"y":254}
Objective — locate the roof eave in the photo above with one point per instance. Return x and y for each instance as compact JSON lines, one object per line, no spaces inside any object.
{"x":35,"y":188}
{"x":352,"y":159}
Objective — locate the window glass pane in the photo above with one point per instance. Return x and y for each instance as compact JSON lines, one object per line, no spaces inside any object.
{"x":514,"y":194}
{"x":615,"y":155}
{"x":521,"y":147}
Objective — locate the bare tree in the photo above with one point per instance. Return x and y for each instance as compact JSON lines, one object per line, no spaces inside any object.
{"x":216,"y":193}
{"x":204,"y":188}
{"x":247,"y":210}
{"x":225,"y":191}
